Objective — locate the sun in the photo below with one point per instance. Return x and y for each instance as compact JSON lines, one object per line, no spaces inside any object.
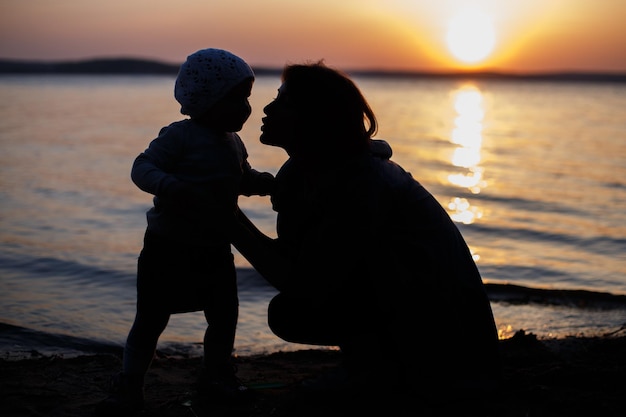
{"x":471,"y":36}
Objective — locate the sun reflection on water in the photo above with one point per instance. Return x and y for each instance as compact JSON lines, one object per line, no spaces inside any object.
{"x":467,"y":134}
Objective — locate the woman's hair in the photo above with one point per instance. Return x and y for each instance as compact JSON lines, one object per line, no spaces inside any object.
{"x":332,"y":103}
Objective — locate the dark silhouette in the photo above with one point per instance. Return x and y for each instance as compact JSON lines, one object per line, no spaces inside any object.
{"x":365,"y":259}
{"x":195,"y":168}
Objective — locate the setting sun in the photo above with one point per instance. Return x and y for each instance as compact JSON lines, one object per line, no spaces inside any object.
{"x":471,"y":36}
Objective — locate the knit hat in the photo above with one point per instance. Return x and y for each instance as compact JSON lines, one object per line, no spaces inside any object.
{"x":206,"y":77}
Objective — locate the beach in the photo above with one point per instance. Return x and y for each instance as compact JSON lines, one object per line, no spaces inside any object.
{"x":576,"y":376}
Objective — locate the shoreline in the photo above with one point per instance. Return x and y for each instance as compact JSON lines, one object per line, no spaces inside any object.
{"x":565,"y":313}
{"x":576,"y":376}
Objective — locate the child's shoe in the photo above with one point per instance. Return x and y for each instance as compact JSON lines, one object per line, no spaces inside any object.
{"x":125,"y":398}
{"x":223,"y":386}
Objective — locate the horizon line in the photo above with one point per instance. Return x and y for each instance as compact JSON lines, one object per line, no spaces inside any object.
{"x":134,"y":65}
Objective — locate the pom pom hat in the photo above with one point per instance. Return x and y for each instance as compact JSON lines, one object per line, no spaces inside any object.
{"x":207,"y":76}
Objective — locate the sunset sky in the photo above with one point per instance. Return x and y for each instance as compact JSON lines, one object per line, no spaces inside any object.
{"x":506,"y":35}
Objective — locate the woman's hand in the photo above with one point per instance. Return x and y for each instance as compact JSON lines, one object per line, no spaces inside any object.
{"x":260,"y":250}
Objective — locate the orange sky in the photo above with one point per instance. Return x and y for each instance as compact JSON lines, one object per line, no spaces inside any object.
{"x":530,"y":35}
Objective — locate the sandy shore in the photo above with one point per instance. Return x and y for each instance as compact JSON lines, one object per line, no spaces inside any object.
{"x":565,"y":377}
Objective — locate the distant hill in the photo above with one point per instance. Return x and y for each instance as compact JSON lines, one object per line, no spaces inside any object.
{"x":132,"y":66}
{"x":127,"y":66}
{"x":92,"y":66}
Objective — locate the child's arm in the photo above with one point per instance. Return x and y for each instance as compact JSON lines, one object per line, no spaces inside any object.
{"x":152,"y":172}
{"x":254,"y":182}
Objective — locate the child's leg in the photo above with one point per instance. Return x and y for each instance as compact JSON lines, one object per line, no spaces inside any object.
{"x":142,"y":341}
{"x":126,"y":396}
{"x":219,"y":338}
{"x":218,"y":380}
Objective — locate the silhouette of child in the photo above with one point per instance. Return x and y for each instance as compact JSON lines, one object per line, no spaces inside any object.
{"x":196,"y":168}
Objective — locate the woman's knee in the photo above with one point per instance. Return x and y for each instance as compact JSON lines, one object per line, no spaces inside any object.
{"x":278,"y":313}
{"x":299,"y":320}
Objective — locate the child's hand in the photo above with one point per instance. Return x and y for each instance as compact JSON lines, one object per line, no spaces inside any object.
{"x":266,"y":183}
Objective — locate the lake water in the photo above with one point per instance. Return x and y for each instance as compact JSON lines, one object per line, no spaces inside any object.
{"x":534,"y":174}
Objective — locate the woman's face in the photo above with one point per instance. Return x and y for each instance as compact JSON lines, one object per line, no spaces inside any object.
{"x":280,"y":122}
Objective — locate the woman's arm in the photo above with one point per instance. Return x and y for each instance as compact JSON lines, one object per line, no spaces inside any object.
{"x":261,"y":251}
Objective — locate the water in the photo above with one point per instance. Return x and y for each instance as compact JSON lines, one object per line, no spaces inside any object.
{"x":534,"y":173}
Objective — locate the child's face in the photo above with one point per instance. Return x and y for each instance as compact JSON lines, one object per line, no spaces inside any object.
{"x":231,"y":111}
